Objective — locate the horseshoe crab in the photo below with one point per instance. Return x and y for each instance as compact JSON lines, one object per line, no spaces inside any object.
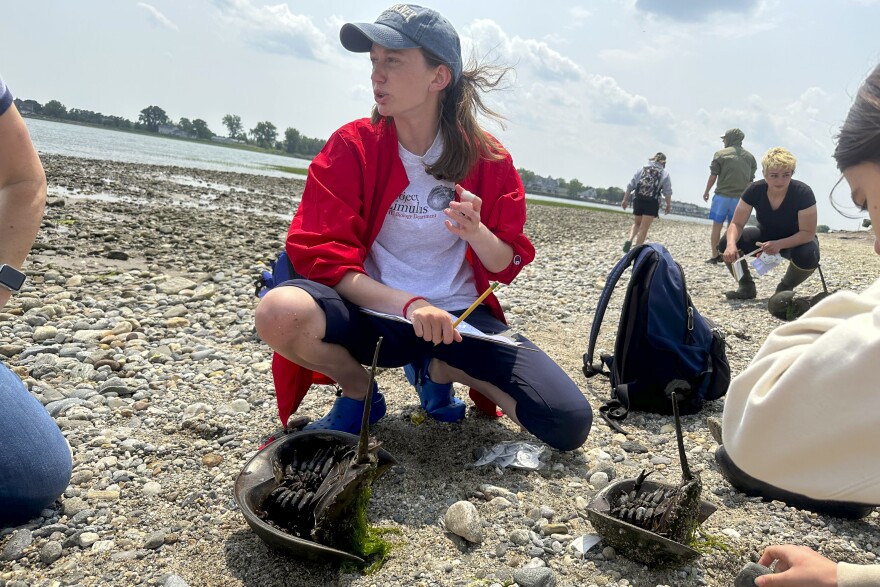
{"x":305,"y":492}
{"x":652,"y":522}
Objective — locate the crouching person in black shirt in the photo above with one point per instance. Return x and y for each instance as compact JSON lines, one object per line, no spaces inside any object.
{"x":785,"y":210}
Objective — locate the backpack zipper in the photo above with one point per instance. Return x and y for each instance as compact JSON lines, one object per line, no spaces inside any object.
{"x":689,"y":309}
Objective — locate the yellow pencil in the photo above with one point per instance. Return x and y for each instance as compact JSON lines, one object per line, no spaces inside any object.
{"x":473,"y":307}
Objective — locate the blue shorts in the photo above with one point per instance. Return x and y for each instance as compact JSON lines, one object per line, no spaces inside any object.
{"x":548,"y":403}
{"x":722,"y":208}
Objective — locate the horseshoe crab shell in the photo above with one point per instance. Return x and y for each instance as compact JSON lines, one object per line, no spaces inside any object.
{"x":640,"y":545}
{"x":257,"y":479}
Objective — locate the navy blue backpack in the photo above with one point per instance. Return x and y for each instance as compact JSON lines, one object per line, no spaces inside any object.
{"x":661,"y":338}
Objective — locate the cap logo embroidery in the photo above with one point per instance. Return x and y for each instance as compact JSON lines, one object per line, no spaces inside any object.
{"x":403,"y":10}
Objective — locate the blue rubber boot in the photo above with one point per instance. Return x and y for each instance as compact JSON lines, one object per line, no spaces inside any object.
{"x":346,"y":414}
{"x":437,"y":399}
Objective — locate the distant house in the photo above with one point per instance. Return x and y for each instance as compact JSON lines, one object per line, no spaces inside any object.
{"x":173,"y":130}
{"x":588,"y":194}
{"x":28,"y":106}
{"x":546,"y":185}
{"x":220,"y":139}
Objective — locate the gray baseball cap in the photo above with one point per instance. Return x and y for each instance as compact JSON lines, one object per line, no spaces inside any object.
{"x":407,"y":26}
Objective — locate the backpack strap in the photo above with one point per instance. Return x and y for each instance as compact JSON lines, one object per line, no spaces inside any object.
{"x":616,"y":410}
{"x":590,"y":368}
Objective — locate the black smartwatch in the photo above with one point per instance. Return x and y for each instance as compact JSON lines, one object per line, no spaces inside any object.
{"x":11,"y":278}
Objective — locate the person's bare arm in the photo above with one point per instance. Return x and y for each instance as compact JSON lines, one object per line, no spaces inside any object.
{"x":735,"y":228}
{"x":709,"y":184}
{"x":429,"y":322}
{"x":807,"y":219}
{"x":22,"y":192}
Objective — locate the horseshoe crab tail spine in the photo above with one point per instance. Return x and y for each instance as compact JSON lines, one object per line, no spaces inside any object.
{"x":364,"y":441}
{"x":685,"y":469}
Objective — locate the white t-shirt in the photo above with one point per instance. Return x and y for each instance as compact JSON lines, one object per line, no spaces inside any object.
{"x":414,"y":250}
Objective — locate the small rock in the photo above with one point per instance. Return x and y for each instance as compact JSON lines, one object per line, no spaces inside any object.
{"x":154,"y":540}
{"x":749,"y":573}
{"x":520,"y":537}
{"x":554,"y":528}
{"x":534,"y":577}
{"x":463,"y":520}
{"x":152,"y":489}
{"x":599,"y":480}
{"x":50,"y":552}
{"x":86,"y":539}
{"x":633,"y":447}
{"x":731,"y":533}
{"x":212,"y":460}
{"x":14,"y":549}
{"x":73,"y":506}
{"x":175,"y":581}
{"x":714,"y":425}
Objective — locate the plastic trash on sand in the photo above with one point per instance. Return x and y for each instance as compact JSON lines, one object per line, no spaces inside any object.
{"x":765,"y":262}
{"x":517,"y":455}
{"x":582,"y":544}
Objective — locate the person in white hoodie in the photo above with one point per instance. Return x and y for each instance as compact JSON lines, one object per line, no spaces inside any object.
{"x":801,"y":421}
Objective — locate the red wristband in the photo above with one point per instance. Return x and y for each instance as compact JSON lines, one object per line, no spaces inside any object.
{"x":406,"y":305}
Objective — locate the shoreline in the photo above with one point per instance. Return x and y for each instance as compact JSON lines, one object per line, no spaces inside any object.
{"x":156,"y":286}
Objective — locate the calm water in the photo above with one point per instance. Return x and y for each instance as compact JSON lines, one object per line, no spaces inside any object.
{"x":98,"y":143}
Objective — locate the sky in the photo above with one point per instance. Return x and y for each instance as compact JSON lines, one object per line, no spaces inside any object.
{"x":597,"y":87}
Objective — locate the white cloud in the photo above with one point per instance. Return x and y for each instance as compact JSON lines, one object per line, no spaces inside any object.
{"x":555,"y":93}
{"x":275,"y":29}
{"x":158,"y":17}
{"x":531,"y":55}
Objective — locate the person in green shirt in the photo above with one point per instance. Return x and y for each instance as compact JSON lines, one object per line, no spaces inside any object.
{"x":734,"y":169}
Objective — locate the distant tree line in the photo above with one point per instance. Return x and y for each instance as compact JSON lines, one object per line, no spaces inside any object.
{"x":155,"y":119}
{"x":568,"y":189}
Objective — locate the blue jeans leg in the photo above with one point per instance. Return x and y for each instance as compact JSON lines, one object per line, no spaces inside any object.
{"x":35,"y":462}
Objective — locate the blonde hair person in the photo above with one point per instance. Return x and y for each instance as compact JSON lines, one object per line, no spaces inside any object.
{"x":778,"y":158}
{"x":785,"y":211}
{"x":412,"y":212}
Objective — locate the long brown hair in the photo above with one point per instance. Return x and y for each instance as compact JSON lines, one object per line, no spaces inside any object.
{"x":464,"y":141}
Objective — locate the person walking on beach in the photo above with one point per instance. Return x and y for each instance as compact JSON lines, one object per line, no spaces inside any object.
{"x":785,"y":210}
{"x":815,"y":375}
{"x":35,"y":462}
{"x":412,"y":212}
{"x":734,"y":169}
{"x":647,"y":186}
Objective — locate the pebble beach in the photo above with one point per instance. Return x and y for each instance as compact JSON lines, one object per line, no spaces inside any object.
{"x":136,"y":332}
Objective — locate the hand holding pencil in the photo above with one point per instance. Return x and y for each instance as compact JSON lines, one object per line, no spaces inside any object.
{"x":473,"y":306}
{"x":432,"y":324}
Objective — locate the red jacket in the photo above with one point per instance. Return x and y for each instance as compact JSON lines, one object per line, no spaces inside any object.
{"x":351,"y":185}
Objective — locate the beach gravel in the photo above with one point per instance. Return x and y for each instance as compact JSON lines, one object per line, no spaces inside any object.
{"x":136,"y":331}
